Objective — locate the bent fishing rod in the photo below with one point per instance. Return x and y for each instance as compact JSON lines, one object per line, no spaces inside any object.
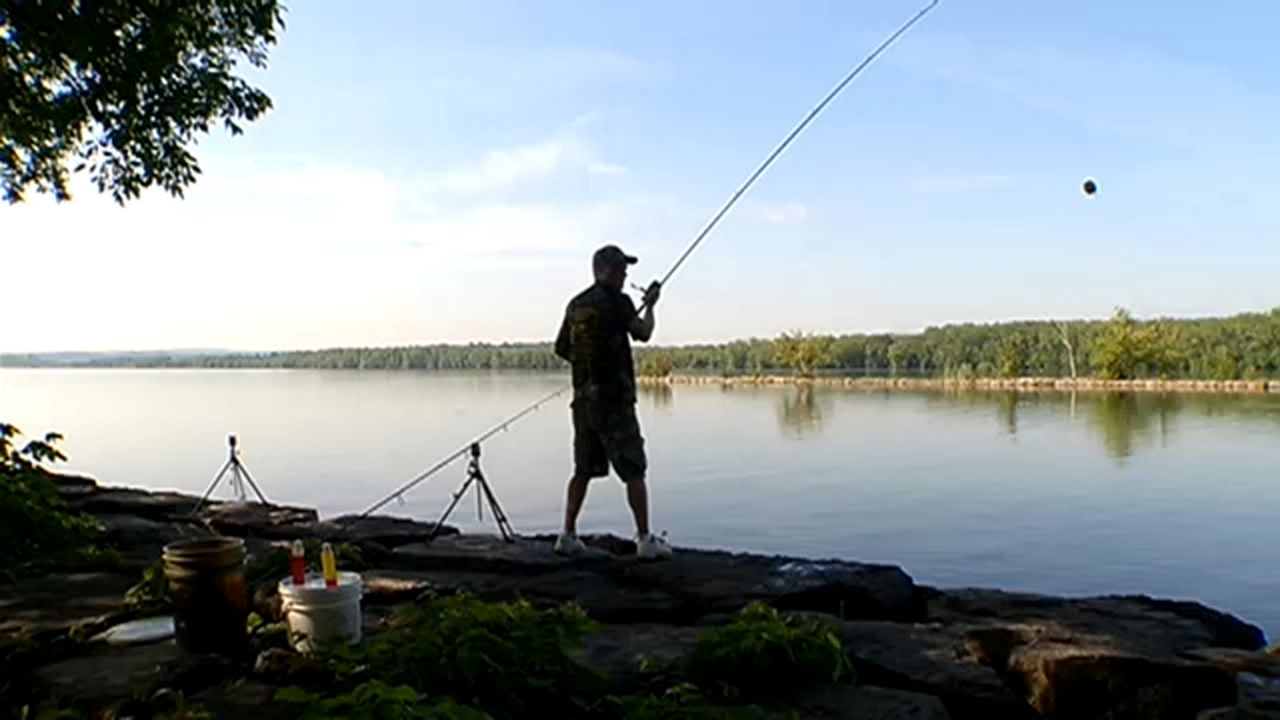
{"x":697,"y":240}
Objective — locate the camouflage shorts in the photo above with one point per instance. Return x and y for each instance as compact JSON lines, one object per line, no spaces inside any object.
{"x":607,"y":434}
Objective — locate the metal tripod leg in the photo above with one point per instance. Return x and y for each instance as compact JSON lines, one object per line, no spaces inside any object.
{"x":212,"y":485}
{"x":261,"y":498}
{"x":483,"y":494}
{"x":457,"y":497}
{"x":504,"y":526}
{"x":239,"y":473}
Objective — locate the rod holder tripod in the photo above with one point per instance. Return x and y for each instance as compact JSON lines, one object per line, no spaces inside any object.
{"x":239,"y":478}
{"x":484,"y":494}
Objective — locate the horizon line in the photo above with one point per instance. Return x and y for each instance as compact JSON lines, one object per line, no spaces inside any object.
{"x":548,"y":341}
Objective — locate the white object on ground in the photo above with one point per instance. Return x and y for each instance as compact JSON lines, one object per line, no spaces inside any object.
{"x":137,"y":632}
{"x":318,"y":615}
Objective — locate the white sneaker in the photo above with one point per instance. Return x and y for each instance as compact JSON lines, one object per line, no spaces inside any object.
{"x":569,"y":544}
{"x":653,"y":547}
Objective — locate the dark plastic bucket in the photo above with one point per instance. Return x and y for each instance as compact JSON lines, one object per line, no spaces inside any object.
{"x":209,"y":595}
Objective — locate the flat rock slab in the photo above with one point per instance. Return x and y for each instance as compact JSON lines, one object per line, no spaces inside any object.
{"x":129,"y":501}
{"x":600,"y":596}
{"x":244,"y":700}
{"x":388,"y":531}
{"x":621,"y":652}
{"x":724,"y":582}
{"x":142,"y":537}
{"x":687,"y":586}
{"x":868,"y":702}
{"x":1239,"y":713}
{"x":265,"y":521}
{"x":490,"y":553}
{"x":59,"y":601}
{"x":108,"y":674}
{"x":105,"y":674}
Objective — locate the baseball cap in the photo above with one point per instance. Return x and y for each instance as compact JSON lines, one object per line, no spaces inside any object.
{"x":611,"y":255}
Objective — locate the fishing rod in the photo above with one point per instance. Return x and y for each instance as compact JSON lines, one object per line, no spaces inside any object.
{"x":500,"y":427}
{"x":855,"y":72}
{"x":697,"y":240}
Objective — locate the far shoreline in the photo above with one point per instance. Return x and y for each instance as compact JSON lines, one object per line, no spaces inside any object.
{"x":1019,"y":384}
{"x":829,"y":380}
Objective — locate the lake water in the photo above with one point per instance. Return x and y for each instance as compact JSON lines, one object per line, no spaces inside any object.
{"x":1167,"y":495}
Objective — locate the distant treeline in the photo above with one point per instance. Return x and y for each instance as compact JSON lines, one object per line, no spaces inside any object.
{"x":1245,"y":346}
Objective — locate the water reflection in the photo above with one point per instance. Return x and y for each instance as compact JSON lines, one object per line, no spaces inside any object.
{"x":659,"y":395}
{"x":1123,"y":422}
{"x":1126,"y":421}
{"x":800,"y":413}
{"x":1008,"y":412}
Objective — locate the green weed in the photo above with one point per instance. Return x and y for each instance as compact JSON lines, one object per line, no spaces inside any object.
{"x":762,"y":652}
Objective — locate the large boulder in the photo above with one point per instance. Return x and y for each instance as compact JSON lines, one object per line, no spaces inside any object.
{"x":1257,"y":682}
{"x":934,"y":660}
{"x":1089,"y":677}
{"x":1143,"y":623}
{"x":1122,"y":657}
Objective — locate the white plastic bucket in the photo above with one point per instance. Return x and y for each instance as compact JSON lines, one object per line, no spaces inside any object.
{"x":319,"y":615}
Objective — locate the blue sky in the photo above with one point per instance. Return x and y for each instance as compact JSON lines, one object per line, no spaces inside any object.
{"x":441,"y":172}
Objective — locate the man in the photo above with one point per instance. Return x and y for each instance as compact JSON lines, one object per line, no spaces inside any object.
{"x":595,"y":338}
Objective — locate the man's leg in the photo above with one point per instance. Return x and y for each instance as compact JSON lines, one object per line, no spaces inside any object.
{"x":638,"y":499}
{"x":589,"y":460}
{"x":573,"y":502}
{"x":626,"y":452}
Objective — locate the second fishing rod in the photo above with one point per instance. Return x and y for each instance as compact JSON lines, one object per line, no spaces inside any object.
{"x":697,"y":240}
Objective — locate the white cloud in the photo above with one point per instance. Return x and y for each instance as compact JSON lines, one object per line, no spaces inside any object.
{"x":299,"y":256}
{"x":784,"y":213}
{"x":957,"y":183}
{"x":604,"y":168}
{"x":503,"y":168}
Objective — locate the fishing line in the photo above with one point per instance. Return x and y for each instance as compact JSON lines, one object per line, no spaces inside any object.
{"x":697,"y":240}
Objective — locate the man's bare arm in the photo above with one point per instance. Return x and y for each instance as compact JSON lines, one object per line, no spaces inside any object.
{"x":643,"y":324}
{"x":562,"y":346}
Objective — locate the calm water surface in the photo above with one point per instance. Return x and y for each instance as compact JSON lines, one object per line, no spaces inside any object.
{"x":1168,"y":495}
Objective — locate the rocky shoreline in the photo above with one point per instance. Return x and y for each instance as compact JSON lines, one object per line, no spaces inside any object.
{"x":920,"y":652}
{"x":1020,"y":384}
